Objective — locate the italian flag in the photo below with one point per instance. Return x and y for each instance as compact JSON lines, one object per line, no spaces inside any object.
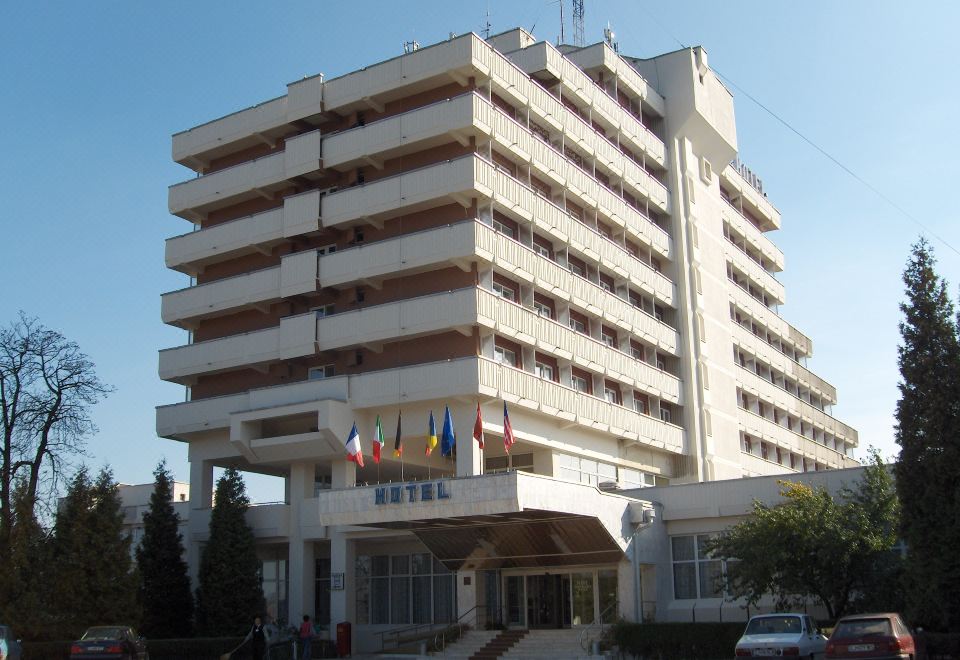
{"x":378,"y":441}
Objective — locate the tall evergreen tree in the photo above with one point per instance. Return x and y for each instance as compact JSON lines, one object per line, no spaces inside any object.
{"x":229,"y":594}
{"x":25,"y":584}
{"x":164,"y":584}
{"x":927,"y":431}
{"x":94,"y":580}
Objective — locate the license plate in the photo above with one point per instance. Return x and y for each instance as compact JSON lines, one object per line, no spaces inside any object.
{"x":95,"y":648}
{"x":764,"y":652}
{"x":857,"y":648}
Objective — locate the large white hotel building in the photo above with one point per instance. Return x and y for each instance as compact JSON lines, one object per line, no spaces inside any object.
{"x":564,"y":230}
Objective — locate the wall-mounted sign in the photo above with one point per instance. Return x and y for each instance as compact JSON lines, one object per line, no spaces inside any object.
{"x":336,"y":581}
{"x":427,"y":491}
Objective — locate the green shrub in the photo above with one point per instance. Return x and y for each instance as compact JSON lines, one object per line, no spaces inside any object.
{"x":677,"y":641}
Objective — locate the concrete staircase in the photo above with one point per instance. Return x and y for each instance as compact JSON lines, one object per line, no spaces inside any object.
{"x":550,"y":645}
{"x":483,"y":644}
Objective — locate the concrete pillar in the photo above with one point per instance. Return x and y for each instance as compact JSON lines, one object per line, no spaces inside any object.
{"x":469,"y":456}
{"x":343,"y":474}
{"x":299,"y":486}
{"x":467,"y":590}
{"x":201,"y":501}
{"x":342,"y":561}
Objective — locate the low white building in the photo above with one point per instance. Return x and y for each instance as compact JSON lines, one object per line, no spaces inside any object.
{"x":135,"y":502}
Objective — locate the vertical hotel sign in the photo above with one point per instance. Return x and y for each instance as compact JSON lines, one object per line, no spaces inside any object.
{"x":410,"y":493}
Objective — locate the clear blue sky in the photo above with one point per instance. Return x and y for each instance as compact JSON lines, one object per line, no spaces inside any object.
{"x":92,"y":91}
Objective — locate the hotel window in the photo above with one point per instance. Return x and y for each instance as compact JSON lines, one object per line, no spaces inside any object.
{"x":540,"y":132}
{"x":542,"y":188}
{"x":636,"y":350}
{"x":358,"y":235}
{"x":543,"y":247}
{"x":696,"y":574}
{"x":543,"y":370}
{"x":576,"y":266}
{"x":747,"y":445}
{"x":321,"y":372}
{"x":583,"y":470}
{"x":327,"y":249}
{"x":518,"y":462}
{"x":575,"y":211}
{"x":665,"y":413}
{"x":504,"y":225}
{"x":543,"y":308}
{"x":403,"y":589}
{"x":636,"y":479}
{"x":641,"y":403}
{"x":581,"y":381}
{"x":608,"y":336}
{"x":612,"y":393}
{"x":274,"y":582}
{"x":323,"y":310}
{"x":578,"y":323}
{"x":504,"y":356}
{"x":606,"y":282}
{"x":505,"y":289}
{"x":321,"y":597}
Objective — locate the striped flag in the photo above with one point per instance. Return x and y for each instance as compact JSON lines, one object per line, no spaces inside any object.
{"x":431,"y":435}
{"x":508,"y":438}
{"x":354,"y":452}
{"x":478,"y":428}
{"x":378,"y":441}
{"x":398,"y":444}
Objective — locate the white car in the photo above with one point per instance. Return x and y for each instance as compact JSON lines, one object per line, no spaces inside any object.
{"x":778,"y":635}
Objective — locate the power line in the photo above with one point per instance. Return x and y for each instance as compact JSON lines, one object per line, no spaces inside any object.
{"x":869,"y":186}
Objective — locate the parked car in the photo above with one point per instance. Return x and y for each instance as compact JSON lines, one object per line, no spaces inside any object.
{"x":775,"y":635}
{"x":10,"y":648}
{"x":110,"y":643}
{"x":871,"y":636}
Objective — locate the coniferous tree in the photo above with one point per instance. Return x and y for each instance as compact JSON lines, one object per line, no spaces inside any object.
{"x":229,"y":594}
{"x":164,"y":584}
{"x":94,"y":580}
{"x":25,"y":584}
{"x":928,"y":433}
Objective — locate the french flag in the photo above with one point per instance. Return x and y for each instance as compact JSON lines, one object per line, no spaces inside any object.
{"x":354,"y":452}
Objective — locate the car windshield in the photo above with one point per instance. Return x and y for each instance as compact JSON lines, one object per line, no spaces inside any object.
{"x":863,"y":628}
{"x":106,"y":632}
{"x":774,"y":625}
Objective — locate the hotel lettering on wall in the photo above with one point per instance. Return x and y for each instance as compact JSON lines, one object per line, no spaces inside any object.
{"x":407,"y":493}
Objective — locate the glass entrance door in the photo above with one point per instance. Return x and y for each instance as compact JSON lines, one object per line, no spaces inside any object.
{"x":548,"y":601}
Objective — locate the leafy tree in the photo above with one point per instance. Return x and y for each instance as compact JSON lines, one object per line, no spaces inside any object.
{"x":47,"y":387}
{"x":93,"y":576}
{"x":164,"y":584}
{"x":928,"y":432}
{"x":25,"y":582}
{"x":812,"y":544}
{"x":229,"y":594}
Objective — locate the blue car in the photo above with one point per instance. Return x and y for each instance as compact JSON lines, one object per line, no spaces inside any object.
{"x":9,"y":645}
{"x":110,"y":643}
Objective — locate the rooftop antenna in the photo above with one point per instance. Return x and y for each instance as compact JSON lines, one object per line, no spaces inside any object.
{"x":486,"y":24}
{"x":578,"y":39}
{"x":562,"y":38}
{"x":410,"y":46}
{"x":611,"y":38}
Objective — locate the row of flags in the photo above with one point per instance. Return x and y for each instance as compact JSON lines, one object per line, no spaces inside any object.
{"x":447,"y":438}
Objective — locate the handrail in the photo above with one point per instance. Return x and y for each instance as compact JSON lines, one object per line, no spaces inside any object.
{"x":397,"y":632}
{"x":598,"y":622}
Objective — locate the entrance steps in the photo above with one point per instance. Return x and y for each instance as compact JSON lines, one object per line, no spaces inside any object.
{"x":550,"y":645}
{"x":483,"y":644}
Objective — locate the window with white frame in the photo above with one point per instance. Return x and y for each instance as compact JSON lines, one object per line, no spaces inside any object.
{"x":580,"y":469}
{"x":504,"y":228}
{"x":543,"y":309}
{"x":629,"y":478}
{"x":402,"y":589}
{"x":610,"y":394}
{"x":327,"y":249}
{"x":504,"y":356}
{"x":665,"y":413}
{"x":504,"y":291}
{"x":696,"y":574}
{"x":543,"y":370}
{"x":579,"y":383}
{"x":323,"y":310}
{"x":321,"y":372}
{"x":519,"y":462}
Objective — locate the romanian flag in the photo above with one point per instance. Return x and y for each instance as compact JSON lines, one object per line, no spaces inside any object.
{"x":398,"y":444}
{"x":431,"y":435}
{"x":354,"y":453}
{"x":378,"y":441}
{"x":448,"y":439}
{"x":508,"y":438}
{"x":478,"y":428}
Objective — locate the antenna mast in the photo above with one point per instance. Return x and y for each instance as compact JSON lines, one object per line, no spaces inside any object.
{"x":486,"y":25}
{"x":578,"y":38}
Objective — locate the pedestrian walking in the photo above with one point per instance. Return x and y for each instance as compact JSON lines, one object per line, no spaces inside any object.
{"x":306,"y":638}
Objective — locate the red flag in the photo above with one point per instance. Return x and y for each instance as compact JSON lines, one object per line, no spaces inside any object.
{"x":478,"y":428}
{"x":508,"y":438}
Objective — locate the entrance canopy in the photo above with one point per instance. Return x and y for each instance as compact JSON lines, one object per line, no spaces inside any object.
{"x":509,"y":520}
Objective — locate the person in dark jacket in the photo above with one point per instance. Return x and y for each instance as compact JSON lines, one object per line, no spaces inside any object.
{"x":258,"y":638}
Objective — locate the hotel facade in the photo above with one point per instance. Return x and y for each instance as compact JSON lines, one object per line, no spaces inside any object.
{"x":566,"y":231}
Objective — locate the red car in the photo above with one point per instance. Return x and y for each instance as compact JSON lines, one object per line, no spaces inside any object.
{"x":109,"y":643}
{"x":871,"y":637}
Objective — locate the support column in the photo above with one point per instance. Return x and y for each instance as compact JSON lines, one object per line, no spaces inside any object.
{"x":469,"y":456}
{"x":342,"y":561}
{"x":467,"y":590}
{"x":201,"y":501}
{"x":301,"y":565}
{"x":343,"y":474}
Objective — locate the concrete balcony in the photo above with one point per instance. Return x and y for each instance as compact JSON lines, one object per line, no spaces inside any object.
{"x":769,"y":319}
{"x":764,"y":389}
{"x":413,"y":131}
{"x":294,"y":337}
{"x":601,"y":56}
{"x":527,"y":266}
{"x":543,"y":57}
{"x":768,"y":430}
{"x":296,"y":275}
{"x":190,"y":253}
{"x":760,"y":277}
{"x":194,"y":198}
{"x":524,"y":203}
{"x":756,"y":202}
{"x":268,"y":522}
{"x":771,"y":356}
{"x":753,"y":236}
{"x":527,"y":327}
